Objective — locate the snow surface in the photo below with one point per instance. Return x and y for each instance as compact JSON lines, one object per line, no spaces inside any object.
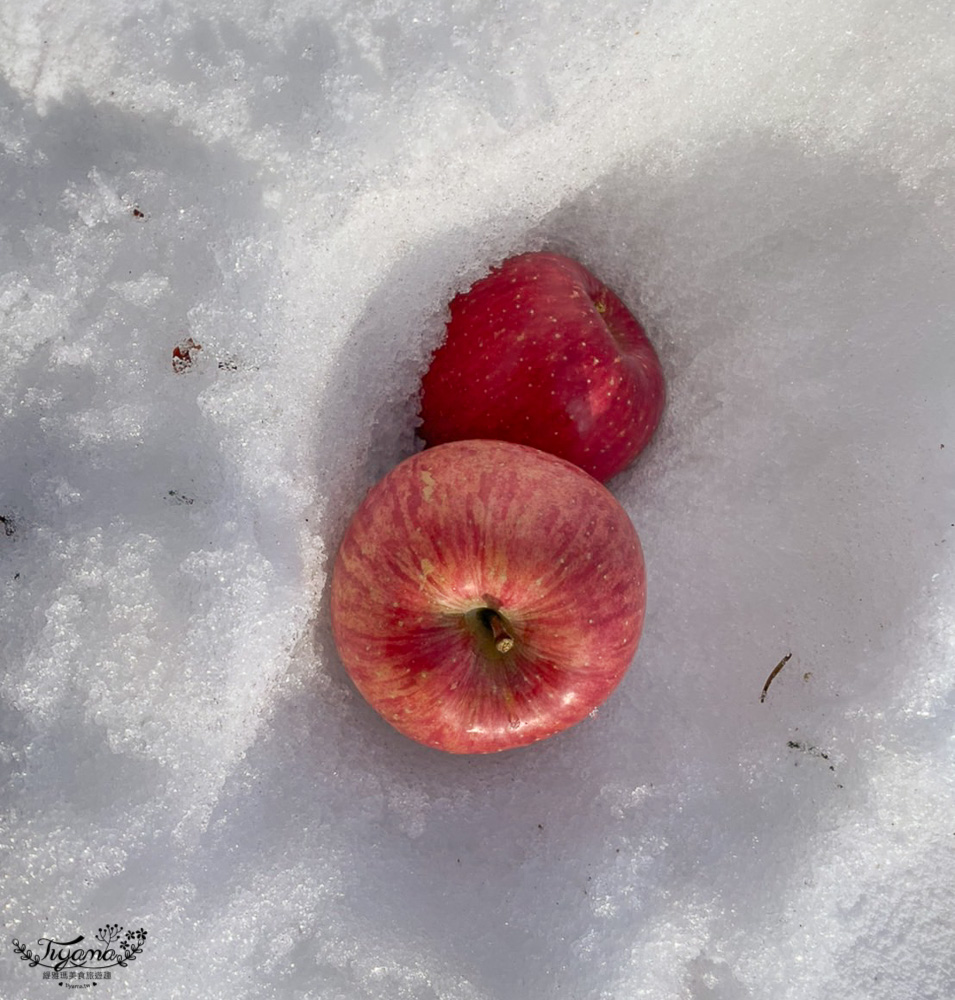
{"x":300,"y":187}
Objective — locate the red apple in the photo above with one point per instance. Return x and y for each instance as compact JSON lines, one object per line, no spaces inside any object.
{"x":487,"y":595}
{"x":540,"y":352}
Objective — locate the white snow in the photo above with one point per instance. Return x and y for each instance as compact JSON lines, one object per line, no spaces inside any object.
{"x":300,"y":188}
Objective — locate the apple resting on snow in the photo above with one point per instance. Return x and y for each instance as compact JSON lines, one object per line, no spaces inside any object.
{"x":540,"y":352}
{"x":487,"y":595}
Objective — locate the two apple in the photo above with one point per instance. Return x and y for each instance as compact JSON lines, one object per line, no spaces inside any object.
{"x":489,"y":593}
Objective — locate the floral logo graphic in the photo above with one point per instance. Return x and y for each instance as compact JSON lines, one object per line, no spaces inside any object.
{"x":70,"y":962}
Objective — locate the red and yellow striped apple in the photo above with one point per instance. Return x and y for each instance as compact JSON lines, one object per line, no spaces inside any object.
{"x":541,"y":352}
{"x":487,"y":595}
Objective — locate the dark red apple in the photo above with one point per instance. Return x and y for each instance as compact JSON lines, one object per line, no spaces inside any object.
{"x":540,"y":352}
{"x":487,"y":595}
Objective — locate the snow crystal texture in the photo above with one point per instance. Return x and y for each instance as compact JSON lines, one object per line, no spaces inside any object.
{"x":228,"y":236}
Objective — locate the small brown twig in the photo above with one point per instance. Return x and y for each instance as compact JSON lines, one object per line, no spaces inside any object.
{"x":769,"y":680}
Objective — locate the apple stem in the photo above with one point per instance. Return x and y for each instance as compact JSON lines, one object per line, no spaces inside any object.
{"x":490,"y":628}
{"x":503,"y":641}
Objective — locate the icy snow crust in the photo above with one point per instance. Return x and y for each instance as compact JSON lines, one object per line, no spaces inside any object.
{"x":300,"y":188}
